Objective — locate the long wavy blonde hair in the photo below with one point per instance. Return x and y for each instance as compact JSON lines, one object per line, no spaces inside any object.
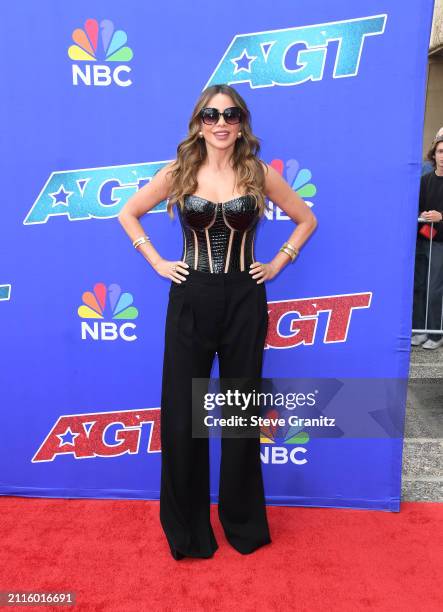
{"x":191,"y":153}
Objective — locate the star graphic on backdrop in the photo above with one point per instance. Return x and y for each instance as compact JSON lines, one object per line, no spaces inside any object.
{"x":244,"y":58}
{"x":67,"y":437}
{"x":60,"y":197}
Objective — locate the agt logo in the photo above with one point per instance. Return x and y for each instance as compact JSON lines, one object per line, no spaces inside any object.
{"x":89,"y":47}
{"x":100,"y":193}
{"x":107,"y":300}
{"x":286,"y":331}
{"x":113,"y":434}
{"x":273,"y":436}
{"x":292,"y":56}
{"x":102,"y":434}
{"x":92,"y":193}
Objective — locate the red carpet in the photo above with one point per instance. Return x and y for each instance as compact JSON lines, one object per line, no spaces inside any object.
{"x":114,"y":556}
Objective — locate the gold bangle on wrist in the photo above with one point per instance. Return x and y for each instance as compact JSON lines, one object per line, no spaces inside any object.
{"x":288,"y":252}
{"x":292,"y":248}
{"x":138,"y":241}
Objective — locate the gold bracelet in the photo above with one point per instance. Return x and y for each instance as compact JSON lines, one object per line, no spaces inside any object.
{"x":138,"y":241}
{"x":145,"y":237}
{"x":284,"y":249}
{"x":289,"y":249}
{"x":141,"y":242}
{"x":293,"y":249}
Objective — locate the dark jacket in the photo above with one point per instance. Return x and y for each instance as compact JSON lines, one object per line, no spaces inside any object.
{"x":431,"y":198}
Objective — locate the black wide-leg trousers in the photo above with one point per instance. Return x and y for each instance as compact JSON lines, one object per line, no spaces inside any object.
{"x":210,"y":313}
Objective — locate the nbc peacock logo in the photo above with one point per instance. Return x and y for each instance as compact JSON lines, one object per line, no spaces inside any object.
{"x":100,"y":42}
{"x":107,"y":303}
{"x":275,"y":439}
{"x":300,"y":181}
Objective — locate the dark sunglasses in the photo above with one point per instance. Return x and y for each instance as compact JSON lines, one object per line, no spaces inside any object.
{"x":231,"y":115}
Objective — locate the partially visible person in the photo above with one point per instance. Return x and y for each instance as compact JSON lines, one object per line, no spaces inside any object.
{"x":430,"y":209}
{"x":427,"y":164}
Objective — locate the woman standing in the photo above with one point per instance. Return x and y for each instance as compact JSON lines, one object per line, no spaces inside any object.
{"x":427,"y":310}
{"x":217,"y":304}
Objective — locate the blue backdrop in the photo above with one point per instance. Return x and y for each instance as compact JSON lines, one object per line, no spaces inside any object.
{"x":96,"y":100}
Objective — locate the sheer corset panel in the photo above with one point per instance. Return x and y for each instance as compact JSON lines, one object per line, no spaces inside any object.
{"x":218,"y":237}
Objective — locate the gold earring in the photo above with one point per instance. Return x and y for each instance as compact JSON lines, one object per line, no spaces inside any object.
{"x":239,"y":135}
{"x":200,"y":134}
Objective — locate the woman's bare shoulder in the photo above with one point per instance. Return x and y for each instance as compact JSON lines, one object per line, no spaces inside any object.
{"x":264,"y":165}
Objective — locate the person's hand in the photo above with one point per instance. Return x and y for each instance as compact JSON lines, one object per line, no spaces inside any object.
{"x":262,"y":271}
{"x":432,"y":215}
{"x":175,"y":270}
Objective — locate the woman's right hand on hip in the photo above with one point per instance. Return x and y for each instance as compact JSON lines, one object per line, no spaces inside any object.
{"x":174,"y":270}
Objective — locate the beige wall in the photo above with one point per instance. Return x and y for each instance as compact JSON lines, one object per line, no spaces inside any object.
{"x":434,"y":100}
{"x":437,"y":27}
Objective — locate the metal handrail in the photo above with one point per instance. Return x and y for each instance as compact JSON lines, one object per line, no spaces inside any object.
{"x":426,"y":330}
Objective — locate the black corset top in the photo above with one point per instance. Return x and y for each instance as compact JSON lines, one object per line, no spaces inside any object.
{"x":218,"y":237}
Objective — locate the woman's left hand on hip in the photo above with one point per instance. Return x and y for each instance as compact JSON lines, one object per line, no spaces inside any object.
{"x":262,"y":271}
